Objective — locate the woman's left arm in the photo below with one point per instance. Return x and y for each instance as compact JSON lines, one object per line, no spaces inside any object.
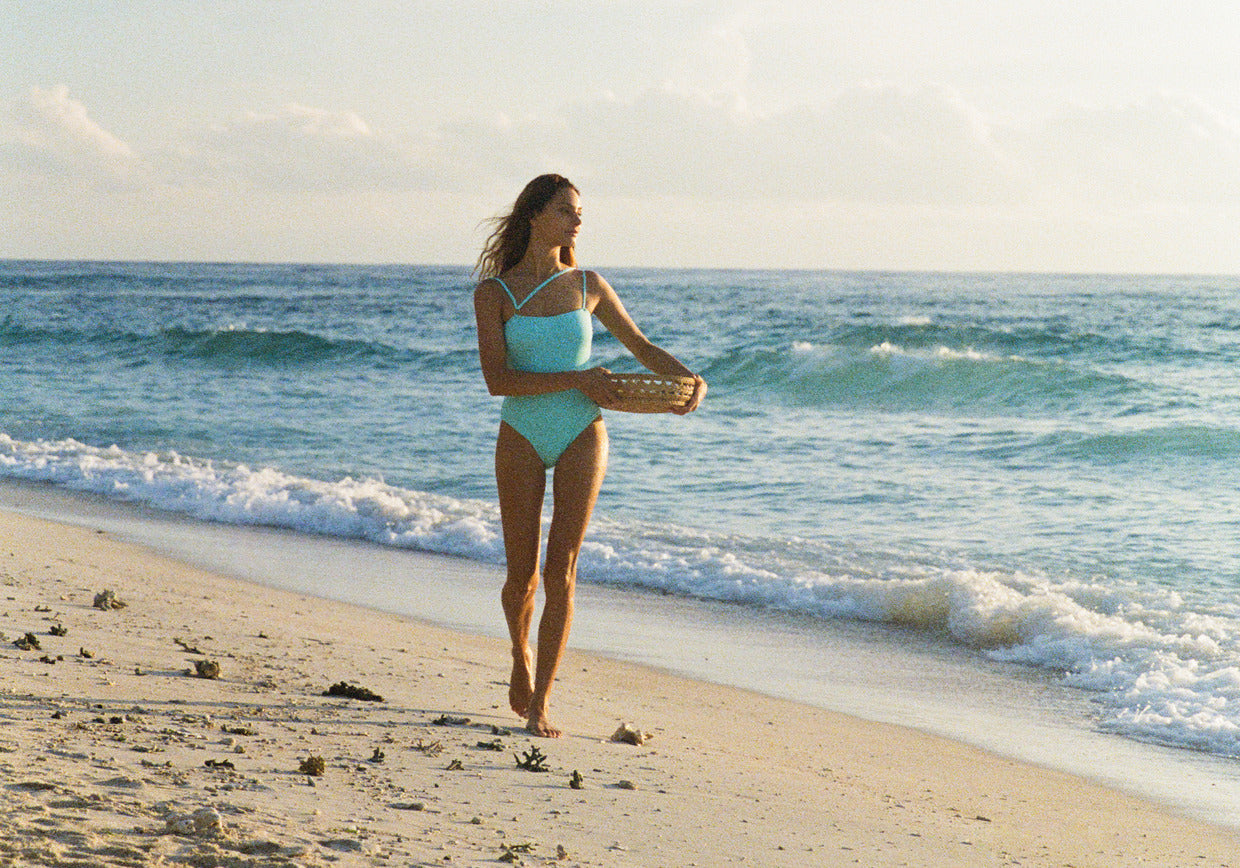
{"x":616,"y":319}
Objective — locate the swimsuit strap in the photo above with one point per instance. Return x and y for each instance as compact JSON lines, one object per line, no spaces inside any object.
{"x":535,"y":290}
{"x":583,"y":289}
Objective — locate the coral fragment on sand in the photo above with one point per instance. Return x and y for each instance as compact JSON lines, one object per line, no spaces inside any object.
{"x":188,"y":648}
{"x":314,"y":766}
{"x":512,"y":852}
{"x":533,"y":760}
{"x":204,"y":822}
{"x":576,"y":781}
{"x":29,"y":642}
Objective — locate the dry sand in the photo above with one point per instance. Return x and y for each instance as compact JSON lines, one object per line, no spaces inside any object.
{"x":114,"y":752}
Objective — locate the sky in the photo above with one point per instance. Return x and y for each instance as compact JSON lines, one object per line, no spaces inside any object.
{"x":958,"y":135}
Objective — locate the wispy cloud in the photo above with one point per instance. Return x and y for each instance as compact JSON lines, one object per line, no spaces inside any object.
{"x":873,"y":143}
{"x":56,"y":133}
{"x":877,"y":144}
{"x":1168,"y":148}
{"x":298,"y":148}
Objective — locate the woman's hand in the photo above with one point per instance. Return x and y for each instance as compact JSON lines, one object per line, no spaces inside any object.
{"x":597,"y":385}
{"x":699,"y":392}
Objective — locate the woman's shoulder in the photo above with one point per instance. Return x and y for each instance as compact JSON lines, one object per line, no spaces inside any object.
{"x":595,"y":283}
{"x":592,"y":278}
{"x":489,"y":288}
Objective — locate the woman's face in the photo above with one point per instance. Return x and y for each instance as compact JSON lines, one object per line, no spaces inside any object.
{"x":558,"y":223}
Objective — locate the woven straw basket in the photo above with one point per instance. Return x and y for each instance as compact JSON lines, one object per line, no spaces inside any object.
{"x":651,"y":393}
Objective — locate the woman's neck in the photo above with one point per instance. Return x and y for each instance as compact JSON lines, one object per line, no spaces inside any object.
{"x":542,"y":264}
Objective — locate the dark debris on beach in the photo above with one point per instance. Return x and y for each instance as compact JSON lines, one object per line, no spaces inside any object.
{"x":352,"y":691}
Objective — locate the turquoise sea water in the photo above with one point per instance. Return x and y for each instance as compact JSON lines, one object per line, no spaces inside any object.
{"x":1038,"y":469}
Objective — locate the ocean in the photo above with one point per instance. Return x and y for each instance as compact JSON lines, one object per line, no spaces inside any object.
{"x":1037,"y":471}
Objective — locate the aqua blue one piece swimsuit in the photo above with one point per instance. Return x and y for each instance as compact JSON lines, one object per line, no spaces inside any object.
{"x":544,"y":345}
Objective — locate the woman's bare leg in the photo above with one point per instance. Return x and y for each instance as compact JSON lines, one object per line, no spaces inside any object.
{"x":522,"y":481}
{"x":575,"y":487}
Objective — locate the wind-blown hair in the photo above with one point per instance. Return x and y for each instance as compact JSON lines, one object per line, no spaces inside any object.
{"x":507,"y":243}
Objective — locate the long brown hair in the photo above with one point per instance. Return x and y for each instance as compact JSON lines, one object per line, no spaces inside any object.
{"x":506,"y":244}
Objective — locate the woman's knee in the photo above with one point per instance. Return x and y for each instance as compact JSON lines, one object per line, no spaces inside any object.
{"x":559,"y":584}
{"x":521,"y":582}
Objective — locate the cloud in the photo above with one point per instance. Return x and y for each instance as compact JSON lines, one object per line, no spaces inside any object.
{"x":314,"y":122}
{"x":715,"y":60}
{"x":1168,"y":148}
{"x":65,"y":119}
{"x":55,"y":133}
{"x":873,"y":143}
{"x":298,"y":149}
{"x":293,"y":149}
{"x":881,"y":143}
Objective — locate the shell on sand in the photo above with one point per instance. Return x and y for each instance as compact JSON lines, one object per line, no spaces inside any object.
{"x":626,"y":733}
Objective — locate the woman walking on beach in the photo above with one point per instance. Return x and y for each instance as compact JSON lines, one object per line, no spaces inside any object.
{"x":533,"y":307}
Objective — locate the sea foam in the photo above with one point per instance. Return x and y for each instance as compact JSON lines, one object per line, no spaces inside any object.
{"x":236,"y":494}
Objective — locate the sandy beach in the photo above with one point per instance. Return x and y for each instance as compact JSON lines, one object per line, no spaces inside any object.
{"x":119,"y":748}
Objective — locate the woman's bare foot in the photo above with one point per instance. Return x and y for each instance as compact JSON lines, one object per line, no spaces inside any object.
{"x":521,"y":685}
{"x":539,"y":725}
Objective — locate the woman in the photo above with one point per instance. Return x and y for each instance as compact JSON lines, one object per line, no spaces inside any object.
{"x":533,"y":308}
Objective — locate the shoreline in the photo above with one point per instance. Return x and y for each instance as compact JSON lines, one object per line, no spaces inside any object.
{"x":104,"y":755}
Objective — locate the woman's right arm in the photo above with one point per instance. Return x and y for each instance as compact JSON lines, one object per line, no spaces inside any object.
{"x":503,"y":380}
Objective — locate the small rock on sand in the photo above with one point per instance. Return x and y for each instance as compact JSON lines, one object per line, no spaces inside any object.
{"x":206,"y":669}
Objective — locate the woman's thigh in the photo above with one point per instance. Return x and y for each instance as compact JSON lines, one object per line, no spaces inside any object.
{"x":521,"y":480}
{"x":576,"y":483}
